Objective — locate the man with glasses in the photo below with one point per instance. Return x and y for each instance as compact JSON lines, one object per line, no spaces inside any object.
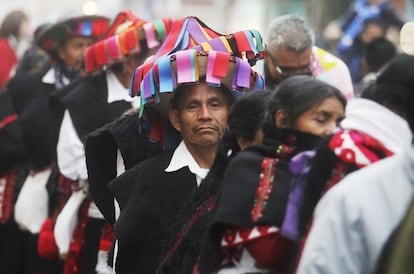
{"x":290,"y":51}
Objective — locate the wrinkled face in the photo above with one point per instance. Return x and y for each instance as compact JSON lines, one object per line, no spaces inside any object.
{"x":321,"y":119}
{"x":71,"y":52}
{"x":285,"y":63}
{"x":202,"y":115}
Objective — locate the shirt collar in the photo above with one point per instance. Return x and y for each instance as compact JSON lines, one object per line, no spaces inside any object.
{"x":117,"y":92}
{"x":50,"y":78}
{"x":183,"y":158}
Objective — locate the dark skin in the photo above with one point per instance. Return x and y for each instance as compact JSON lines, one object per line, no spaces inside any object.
{"x":201,"y":118}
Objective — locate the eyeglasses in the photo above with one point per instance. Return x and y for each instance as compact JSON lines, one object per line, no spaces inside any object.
{"x":286,"y":72}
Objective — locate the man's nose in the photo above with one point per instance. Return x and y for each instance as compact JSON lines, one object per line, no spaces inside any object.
{"x":205,"y":112}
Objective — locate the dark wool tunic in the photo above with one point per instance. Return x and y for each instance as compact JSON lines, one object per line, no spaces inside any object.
{"x":11,"y":144}
{"x":238,"y":194}
{"x":126,"y":135}
{"x":89,"y":110}
{"x":150,"y":200}
{"x":30,"y":98}
{"x":87,"y":105}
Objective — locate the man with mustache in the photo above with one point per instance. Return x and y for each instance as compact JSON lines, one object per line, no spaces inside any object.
{"x":152,"y":193}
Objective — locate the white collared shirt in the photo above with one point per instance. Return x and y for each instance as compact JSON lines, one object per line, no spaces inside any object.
{"x":50,"y":78}
{"x":117,"y":92}
{"x":182,"y":158}
{"x":70,"y":151}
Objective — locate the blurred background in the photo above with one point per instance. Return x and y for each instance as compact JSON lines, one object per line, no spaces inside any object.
{"x":223,"y":15}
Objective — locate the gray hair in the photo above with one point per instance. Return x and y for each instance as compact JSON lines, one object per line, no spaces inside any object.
{"x":290,"y":32}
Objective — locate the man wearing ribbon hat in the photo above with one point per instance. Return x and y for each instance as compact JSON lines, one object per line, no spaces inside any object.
{"x":290,"y":51}
{"x":99,"y":98}
{"x":155,"y":132}
{"x":65,"y":42}
{"x":200,"y":86}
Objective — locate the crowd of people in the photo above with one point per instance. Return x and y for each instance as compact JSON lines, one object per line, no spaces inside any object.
{"x":134,"y":146}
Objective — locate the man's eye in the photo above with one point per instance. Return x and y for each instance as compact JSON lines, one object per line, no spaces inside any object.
{"x":192,"y":106}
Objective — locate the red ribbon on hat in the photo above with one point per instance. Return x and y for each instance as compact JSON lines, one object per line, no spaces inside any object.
{"x":112,"y":48}
{"x":100,"y":55}
{"x":242,"y":42}
{"x":90,"y":62}
{"x":221,"y":64}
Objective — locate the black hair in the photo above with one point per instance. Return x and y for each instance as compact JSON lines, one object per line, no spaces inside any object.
{"x":34,"y":60}
{"x":247,"y":114}
{"x":378,"y":52}
{"x":394,"y":86}
{"x":177,"y":97}
{"x":374,"y":21}
{"x":295,"y":96}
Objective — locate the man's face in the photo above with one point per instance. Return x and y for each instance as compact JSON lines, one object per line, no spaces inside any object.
{"x":201,"y":117}
{"x":71,"y":52}
{"x":284,"y":63}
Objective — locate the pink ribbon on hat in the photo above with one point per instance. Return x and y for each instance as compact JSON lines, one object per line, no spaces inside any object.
{"x":187,"y":70}
{"x":210,"y":78}
{"x":152,"y":41}
{"x":113,"y":48}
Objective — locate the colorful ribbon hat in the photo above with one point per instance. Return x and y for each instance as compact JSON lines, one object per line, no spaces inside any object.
{"x":129,"y":34}
{"x":201,"y":52}
{"x":190,"y":32}
{"x":216,"y":68}
{"x":86,"y":26}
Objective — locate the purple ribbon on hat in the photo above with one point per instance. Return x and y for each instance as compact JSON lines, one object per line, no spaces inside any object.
{"x":196,"y":31}
{"x":147,"y":86}
{"x":217,"y":44}
{"x":242,"y":74}
{"x":198,"y":48}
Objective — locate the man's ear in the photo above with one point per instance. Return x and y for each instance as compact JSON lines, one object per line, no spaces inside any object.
{"x":281,"y":119}
{"x":174,"y":119}
{"x":61,"y":51}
